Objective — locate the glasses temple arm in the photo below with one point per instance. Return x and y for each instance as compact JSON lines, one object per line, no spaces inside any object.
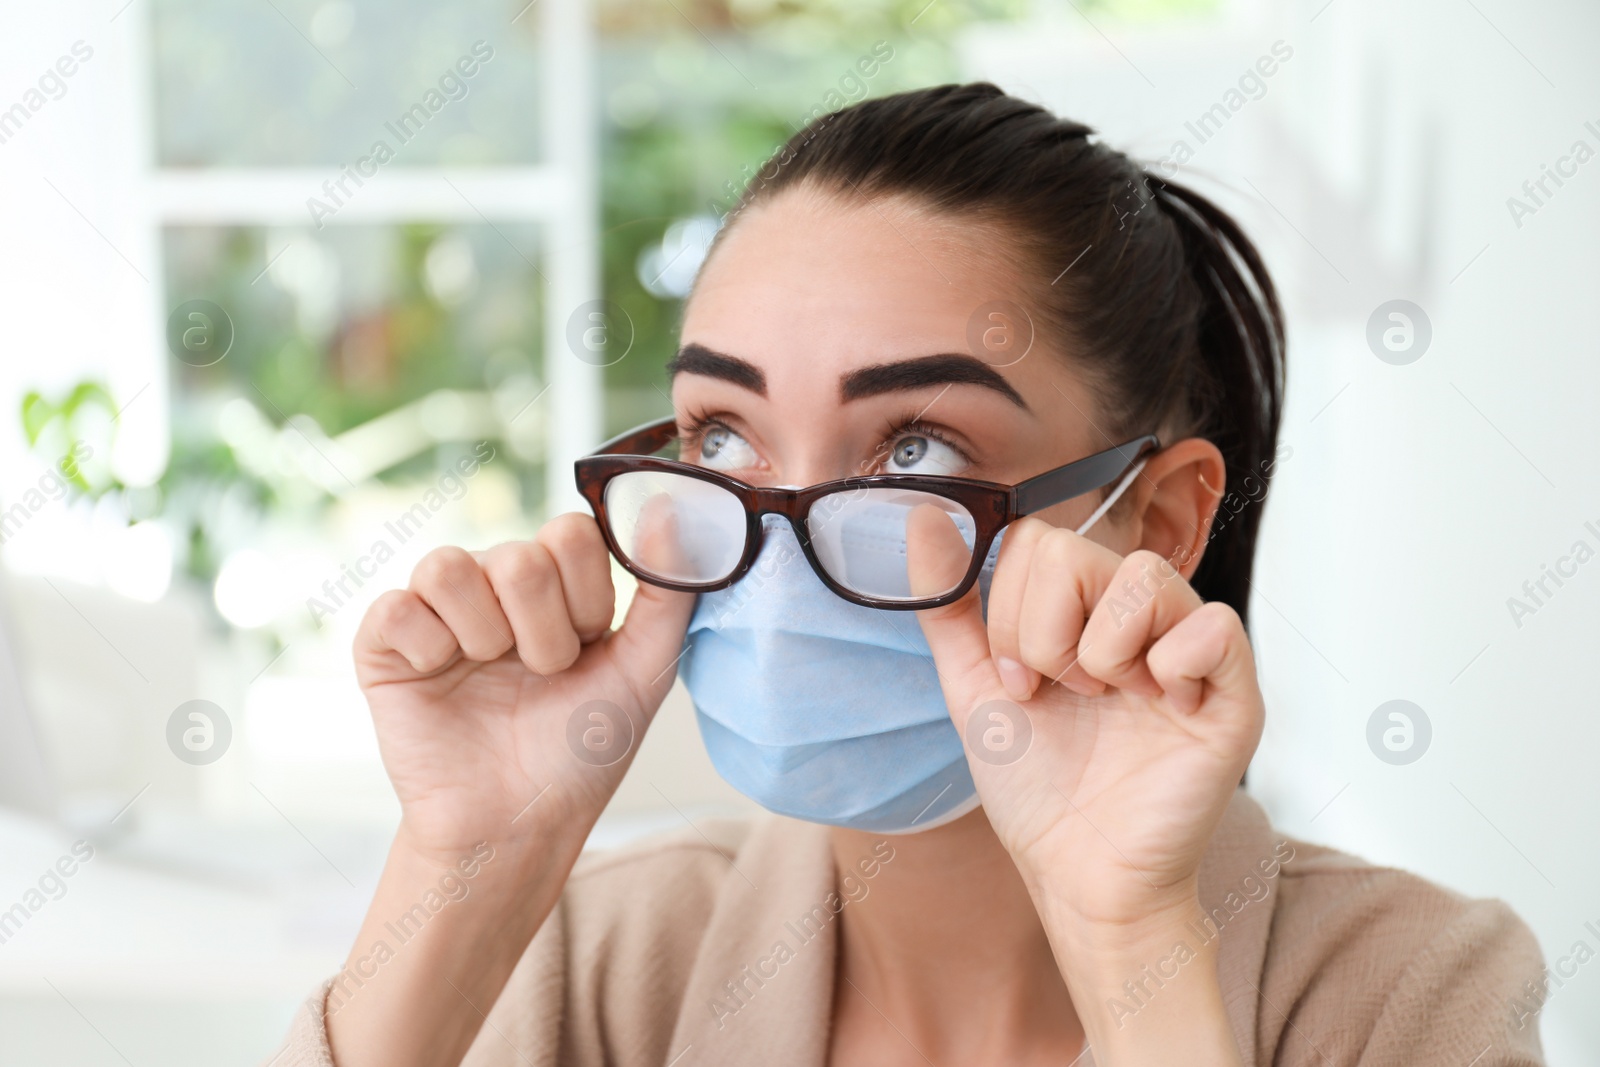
{"x":1075,"y":479}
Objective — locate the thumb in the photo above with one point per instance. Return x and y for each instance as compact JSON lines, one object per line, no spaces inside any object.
{"x":936,"y":559}
{"x":650,"y":641}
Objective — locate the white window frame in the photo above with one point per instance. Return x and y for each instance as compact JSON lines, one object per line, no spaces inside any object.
{"x":559,"y":193}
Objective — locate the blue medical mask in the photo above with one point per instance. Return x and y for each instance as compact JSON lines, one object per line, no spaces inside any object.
{"x":824,"y":710}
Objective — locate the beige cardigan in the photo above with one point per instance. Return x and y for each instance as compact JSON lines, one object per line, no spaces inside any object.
{"x":663,"y":954}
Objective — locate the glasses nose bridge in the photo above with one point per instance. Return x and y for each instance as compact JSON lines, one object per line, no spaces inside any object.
{"x":779,"y":502}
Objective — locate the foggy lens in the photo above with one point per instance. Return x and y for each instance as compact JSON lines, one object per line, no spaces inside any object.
{"x":675,"y":527}
{"x":860,"y":538}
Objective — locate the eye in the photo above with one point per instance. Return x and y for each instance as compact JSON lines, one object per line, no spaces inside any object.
{"x":916,"y":453}
{"x":722,"y":449}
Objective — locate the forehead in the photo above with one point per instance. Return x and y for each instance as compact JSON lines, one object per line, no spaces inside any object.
{"x":836,"y":280}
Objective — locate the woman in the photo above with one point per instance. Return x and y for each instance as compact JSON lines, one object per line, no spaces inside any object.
{"x":1009,"y":764}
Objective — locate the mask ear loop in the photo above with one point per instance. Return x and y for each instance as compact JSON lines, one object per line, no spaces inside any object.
{"x":1105,"y":506}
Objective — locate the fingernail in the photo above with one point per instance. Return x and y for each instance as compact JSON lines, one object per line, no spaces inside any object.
{"x":1014,"y":676}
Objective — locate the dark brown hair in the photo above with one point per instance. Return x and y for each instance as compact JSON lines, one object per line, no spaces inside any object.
{"x":1166,"y":309}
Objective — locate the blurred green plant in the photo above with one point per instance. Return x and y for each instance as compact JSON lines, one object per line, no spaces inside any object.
{"x":51,"y":426}
{"x":202,"y":472}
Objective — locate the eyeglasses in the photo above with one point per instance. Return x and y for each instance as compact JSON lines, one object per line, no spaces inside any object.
{"x":694,"y":529}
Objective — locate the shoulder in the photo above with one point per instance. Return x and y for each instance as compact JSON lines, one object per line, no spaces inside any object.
{"x":1331,"y":895}
{"x":1395,"y":968}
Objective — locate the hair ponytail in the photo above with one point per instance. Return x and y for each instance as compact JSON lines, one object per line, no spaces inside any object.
{"x":1155,"y":293}
{"x":1241,"y":342}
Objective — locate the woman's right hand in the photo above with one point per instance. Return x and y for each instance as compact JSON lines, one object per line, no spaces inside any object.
{"x":506,"y":709}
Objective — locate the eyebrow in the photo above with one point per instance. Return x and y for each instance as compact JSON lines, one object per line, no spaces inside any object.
{"x":698,"y":359}
{"x":945,"y":368}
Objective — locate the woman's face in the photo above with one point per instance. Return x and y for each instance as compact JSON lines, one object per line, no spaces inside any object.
{"x":828,"y":336}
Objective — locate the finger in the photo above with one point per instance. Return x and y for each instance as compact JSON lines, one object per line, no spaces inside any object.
{"x":584,"y":566}
{"x":657,"y":541}
{"x":1004,"y":612}
{"x":650,"y":642}
{"x":399,"y":624}
{"x":527,"y":586}
{"x":1063,"y":582}
{"x":1208,"y":646}
{"x":936,"y":557}
{"x":452,"y":583}
{"x":1142,"y":601}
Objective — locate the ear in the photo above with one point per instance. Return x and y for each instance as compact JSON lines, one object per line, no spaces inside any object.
{"x":1178,"y":495}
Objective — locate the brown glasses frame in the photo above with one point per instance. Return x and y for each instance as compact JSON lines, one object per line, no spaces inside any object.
{"x":992,"y":505}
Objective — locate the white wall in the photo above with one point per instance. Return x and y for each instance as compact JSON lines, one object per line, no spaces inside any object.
{"x":79,"y":276}
{"x":1419,"y":497}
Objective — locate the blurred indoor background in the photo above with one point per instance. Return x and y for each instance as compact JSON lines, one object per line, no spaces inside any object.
{"x":252,"y":367}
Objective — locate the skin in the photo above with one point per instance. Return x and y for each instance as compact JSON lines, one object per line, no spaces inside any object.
{"x":997,"y":938}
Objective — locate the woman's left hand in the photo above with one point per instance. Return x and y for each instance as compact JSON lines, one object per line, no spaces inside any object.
{"x":1108,"y":715}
